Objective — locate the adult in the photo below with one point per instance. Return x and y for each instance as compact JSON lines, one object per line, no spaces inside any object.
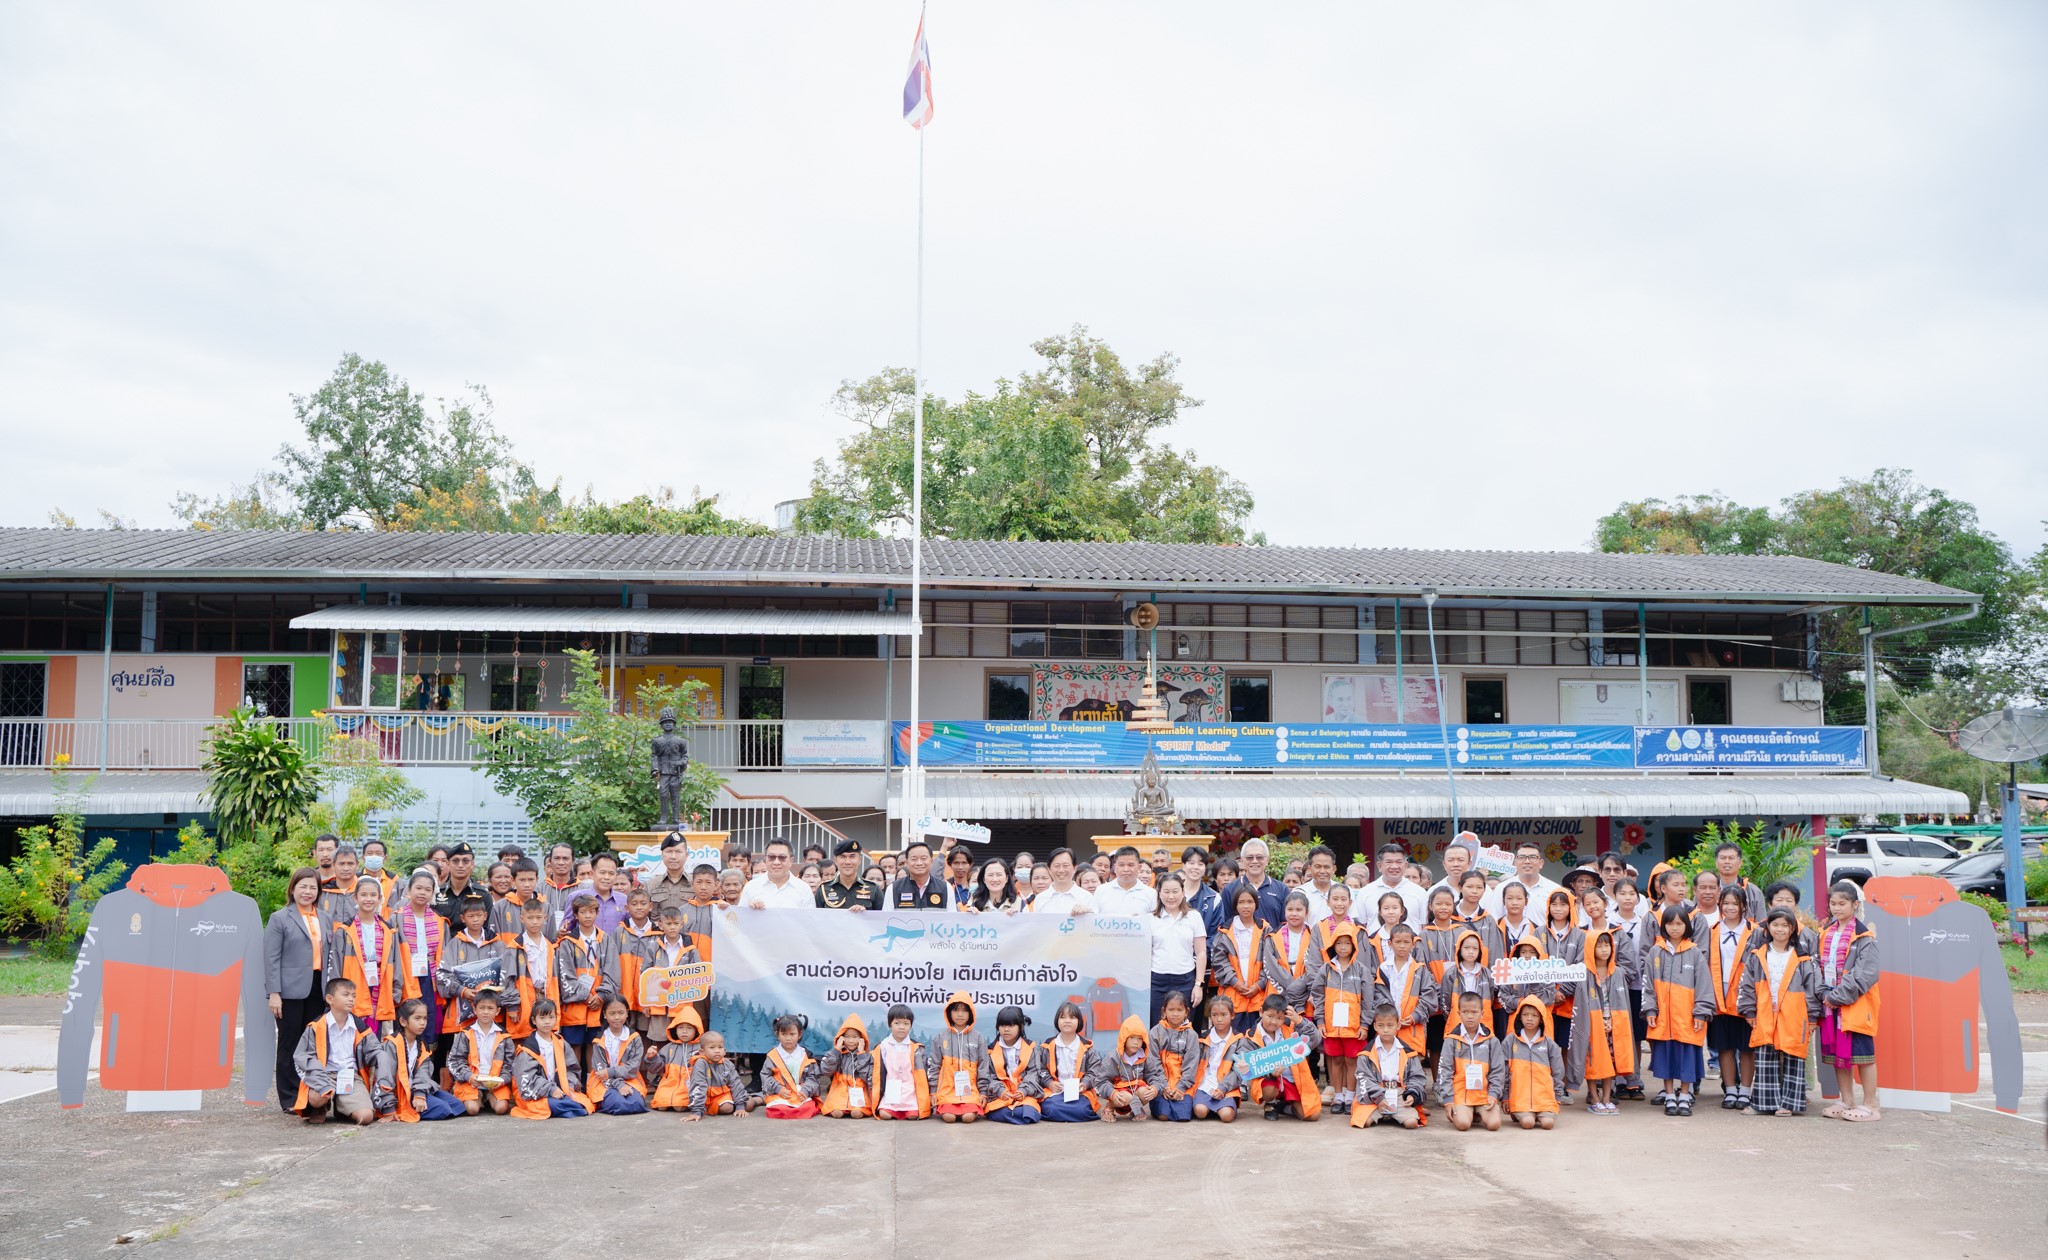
{"x":324,"y":847}
{"x":918,"y":890}
{"x":1180,"y":946}
{"x":846,"y":890}
{"x":1207,"y":902}
{"x":374,"y":854}
{"x":294,"y":942}
{"x":673,"y":888}
{"x":338,"y":896}
{"x":1160,"y":863}
{"x":1459,"y":855}
{"x":737,"y":858}
{"x":1062,"y":895}
{"x":813,"y":877}
{"x":1728,"y":865}
{"x":603,"y":885}
{"x":777,"y":886}
{"x":814,"y":852}
{"x":1529,"y":874}
{"x":1125,"y":895}
{"x":1252,"y":857}
{"x":995,"y":889}
{"x":1613,"y":870}
{"x":888,"y":864}
{"x":959,"y":877}
{"x":1393,"y":878}
{"x":1103,"y":870}
{"x":1020,"y":868}
{"x":1322,"y":873}
{"x":459,"y":884}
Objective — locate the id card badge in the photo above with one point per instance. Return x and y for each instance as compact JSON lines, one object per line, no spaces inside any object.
{"x":1071,"y":1088}
{"x":370,"y":974}
{"x":1475,"y":1076}
{"x":345,"y":1083}
{"x":1340,"y":1014}
{"x":856,"y":1098}
{"x":419,"y":962}
{"x":963,"y":1082}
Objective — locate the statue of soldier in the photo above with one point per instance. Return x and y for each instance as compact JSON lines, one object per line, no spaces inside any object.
{"x":669,"y":756}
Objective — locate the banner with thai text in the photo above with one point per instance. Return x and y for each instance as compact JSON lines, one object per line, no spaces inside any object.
{"x":827,"y":964}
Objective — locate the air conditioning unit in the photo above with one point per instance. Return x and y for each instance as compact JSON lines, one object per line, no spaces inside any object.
{"x":1801,"y":691}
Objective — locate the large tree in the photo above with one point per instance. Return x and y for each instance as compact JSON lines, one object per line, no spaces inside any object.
{"x":1069,"y":451}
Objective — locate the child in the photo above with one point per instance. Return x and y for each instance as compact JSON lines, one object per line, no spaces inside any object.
{"x":1071,"y":1076}
{"x":903,"y":1089}
{"x":360,"y":949}
{"x":1510,"y":996}
{"x":1390,"y":1078}
{"x":471,"y":944}
{"x":1848,"y":1031}
{"x":1782,"y":895}
{"x":587,"y":967}
{"x":1728,"y":941}
{"x":1468,"y":973}
{"x":508,"y":915}
{"x":1563,"y":941}
{"x":1513,"y":924}
{"x":1636,"y":934}
{"x":544,"y":1082}
{"x":633,"y":945}
{"x":1677,"y":998}
{"x":1347,"y":989}
{"x":955,"y":1077}
{"x":847,"y":1072}
{"x":1009,"y":1082}
{"x":1403,"y":983}
{"x":1132,"y":1073}
{"x":533,"y":966}
{"x":671,"y":1067}
{"x":330,"y":1061}
{"x":1292,"y":1090}
{"x":1288,"y":959}
{"x":716,"y":1086}
{"x":672,"y":948}
{"x":1535,"y":1067}
{"x":1472,"y":889}
{"x":788,"y":1073}
{"x":1178,"y":1050}
{"x":1236,"y":960}
{"x":1604,"y":1051}
{"x":403,"y":1086}
{"x":1471,"y":1074}
{"x":1218,"y":1087}
{"x":1390,"y":910}
{"x":1339,"y":901}
{"x":478,"y":1059}
{"x":614,"y":1082}
{"x":1780,"y":995}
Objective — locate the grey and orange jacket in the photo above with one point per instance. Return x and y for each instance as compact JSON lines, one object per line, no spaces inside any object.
{"x":714,"y":1083}
{"x":336,"y":904}
{"x":1950,"y":969}
{"x":1297,"y":978}
{"x":1416,"y":1001}
{"x":1535,"y":1068}
{"x":1435,"y":946}
{"x":634,"y":948}
{"x":532,"y":1083}
{"x":466,"y":1062}
{"x":1780,"y":1018}
{"x":1005,"y":1086}
{"x":840,"y":1071}
{"x":1459,"y":1049}
{"x":954,"y":1052}
{"x":1503,"y":936}
{"x":345,"y":958}
{"x":525,"y":988}
{"x":461,"y":949}
{"x":1746,"y":939}
{"x":1678,"y":995}
{"x":626,"y":1074}
{"x":1412,"y":1086}
{"x":1511,"y":995}
{"x":170,"y":954}
{"x":920,"y":1075}
{"x":780,"y":1085}
{"x":1224,"y":974}
{"x":656,"y":955}
{"x":397,"y":1074}
{"x":1854,"y":992}
{"x":316,"y":1073}
{"x":588,"y":973}
{"x":667,"y":1072}
{"x":1347,"y":989}
{"x":1177,"y":1048}
{"x":1089,"y":1066}
{"x":1570,"y":947}
{"x":1601,"y":1010}
{"x":508,"y":920}
{"x":1117,"y":1065}
{"x":1292,"y":1025}
{"x":1229,"y":1081}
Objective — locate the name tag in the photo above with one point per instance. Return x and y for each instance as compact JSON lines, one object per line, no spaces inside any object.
{"x":856,"y":1098}
{"x":1340,"y":1014}
{"x":963,"y":1082}
{"x":419,"y":962}
{"x":370,"y":974}
{"x":1475,"y":1076}
{"x":1071,"y":1088}
{"x":345,"y":1083}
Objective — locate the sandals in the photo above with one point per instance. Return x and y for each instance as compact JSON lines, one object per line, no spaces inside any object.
{"x":1835,"y":1110}
{"x":1779,"y":1112}
{"x":1671,"y":1106}
{"x":1685,"y":1105}
{"x":1861,"y":1115}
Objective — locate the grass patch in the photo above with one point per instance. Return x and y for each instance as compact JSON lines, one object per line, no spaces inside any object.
{"x":2029,"y":975}
{"x":33,"y":977}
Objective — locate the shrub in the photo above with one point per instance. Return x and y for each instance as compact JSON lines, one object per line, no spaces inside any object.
{"x":257,"y":779}
{"x":1766,"y":856}
{"x":48,"y":890}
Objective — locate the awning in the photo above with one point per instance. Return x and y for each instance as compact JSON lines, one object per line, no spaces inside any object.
{"x":603,"y":620}
{"x":33,"y":793}
{"x":1330,"y":797}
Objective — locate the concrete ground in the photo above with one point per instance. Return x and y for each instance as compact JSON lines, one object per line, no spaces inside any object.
{"x":234,"y":1181}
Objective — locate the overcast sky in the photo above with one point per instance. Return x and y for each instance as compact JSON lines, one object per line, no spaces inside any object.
{"x":1444,"y":275}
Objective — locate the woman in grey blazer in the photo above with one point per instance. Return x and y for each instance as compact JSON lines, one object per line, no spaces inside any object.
{"x":291,"y":971}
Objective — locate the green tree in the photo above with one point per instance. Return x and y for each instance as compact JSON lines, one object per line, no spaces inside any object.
{"x":662,"y":512}
{"x":258,"y":780}
{"x":263,"y":503}
{"x":1069,"y":451}
{"x":48,"y":889}
{"x":1693,"y":524}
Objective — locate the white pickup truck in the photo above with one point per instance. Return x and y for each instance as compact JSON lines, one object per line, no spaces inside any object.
{"x":1860,"y":855}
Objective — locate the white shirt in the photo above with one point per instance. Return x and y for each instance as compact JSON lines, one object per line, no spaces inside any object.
{"x":1731,"y":951}
{"x":612,"y":1042}
{"x":1396,"y":976}
{"x":1173,"y":941}
{"x":1066,"y":1058}
{"x":545,"y":1047}
{"x":1539,"y":897}
{"x":1411,"y":893}
{"x":341,"y":1049}
{"x":1318,"y":900}
{"x":536,"y":963}
{"x":1114,"y":898}
{"x":1212,"y":1063}
{"x":1389,"y":1058}
{"x":793,"y":894}
{"x":1053,"y":901}
{"x":1775,"y":963}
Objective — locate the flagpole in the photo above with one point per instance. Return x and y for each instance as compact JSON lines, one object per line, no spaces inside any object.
{"x":913,"y":794}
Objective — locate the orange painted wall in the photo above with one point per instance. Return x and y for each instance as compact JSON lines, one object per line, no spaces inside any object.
{"x":227,"y":684}
{"x":60,"y":691}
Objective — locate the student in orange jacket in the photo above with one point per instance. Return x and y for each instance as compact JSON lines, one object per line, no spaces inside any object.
{"x":902,"y":1081}
{"x":954,"y":1078}
{"x":545,"y":1082}
{"x":1726,"y":941}
{"x":1603,"y":1049}
{"x":1010,"y":1087}
{"x":613,"y":1081}
{"x":361,"y":949}
{"x":846,"y":1072}
{"x":669,"y":1068}
{"x":1848,"y":1026}
{"x":1072,"y":1073}
{"x":1218,"y":1086}
{"x":1535,"y":1067}
{"x":1678,"y":996}
{"x":1291,"y":1091}
{"x":1779,"y":994}
{"x":1236,"y":960}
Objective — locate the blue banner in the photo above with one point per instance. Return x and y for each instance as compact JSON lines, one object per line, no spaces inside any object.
{"x":1323,"y":746}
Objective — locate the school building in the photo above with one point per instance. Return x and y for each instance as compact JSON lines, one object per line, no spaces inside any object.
{"x":1594,"y":702}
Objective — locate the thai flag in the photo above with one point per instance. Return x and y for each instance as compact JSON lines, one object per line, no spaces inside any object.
{"x":917,"y":88}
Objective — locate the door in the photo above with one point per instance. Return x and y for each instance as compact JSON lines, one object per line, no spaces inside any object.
{"x":22,"y":687}
{"x":760,"y":700}
{"x":267,"y":690}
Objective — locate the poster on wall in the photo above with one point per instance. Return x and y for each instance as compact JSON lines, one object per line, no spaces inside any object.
{"x":1592,"y":702}
{"x":826,"y":742}
{"x":1373,"y":698}
{"x":710,"y":700}
{"x":1112,"y":691}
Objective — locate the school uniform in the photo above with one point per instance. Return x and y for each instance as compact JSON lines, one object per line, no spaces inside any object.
{"x":1603,"y":1045}
{"x":789,"y":1084}
{"x":1847,"y":958}
{"x":476,"y":1053}
{"x":360,"y":951}
{"x":1347,"y":1002}
{"x":953,"y":1080}
{"x":1010,"y":1084}
{"x":848,"y":1076}
{"x":1504,"y":936}
{"x":1458,"y":981}
{"x":1294,"y":1084}
{"x":587,"y":971}
{"x":1127,"y":1072}
{"x":1397,"y":1073}
{"x":1291,"y":960}
{"x":456,"y":1011}
{"x":1568,"y":946}
{"x":1725,"y":947}
{"x":1779,"y":994}
{"x":631,"y":945}
{"x":658,"y":1017}
{"x":541,"y":1065}
{"x":1410,"y":991}
{"x":668,"y":1069}
{"x":1535,"y":1066}
{"x":335,"y":902}
{"x":902,"y":1079}
{"x":1677,"y":998}
{"x":532,"y":978}
{"x":400,"y":1073}
{"x":1237,"y":953}
{"x":1176,"y":1051}
{"x":1218,"y":1084}
{"x":614,"y":1083}
{"x":717,"y":1088}
{"x":1471,"y":1073}
{"x":330,"y":1059}
{"x":1074,"y":1078}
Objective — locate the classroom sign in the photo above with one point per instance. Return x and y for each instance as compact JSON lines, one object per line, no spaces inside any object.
{"x":1278,"y":1057}
{"x":824,"y":965}
{"x":674,"y":986}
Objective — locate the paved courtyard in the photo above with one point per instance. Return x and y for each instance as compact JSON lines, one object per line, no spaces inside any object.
{"x":234,"y":1181}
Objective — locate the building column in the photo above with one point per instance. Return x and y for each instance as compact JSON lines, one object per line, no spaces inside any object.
{"x":1603,"y":836}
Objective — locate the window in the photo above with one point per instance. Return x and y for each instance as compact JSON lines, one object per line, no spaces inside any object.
{"x":1706,"y":701}
{"x":515,"y":688}
{"x":1307,"y":633}
{"x":387,"y":660}
{"x":436,"y":693}
{"x":1251,"y":697}
{"x":1009,"y":697}
{"x":1854,"y":846}
{"x":1486,"y":700}
{"x":267,"y":690}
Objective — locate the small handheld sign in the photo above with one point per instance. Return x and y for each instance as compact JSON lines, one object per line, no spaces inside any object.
{"x":1278,"y":1057}
{"x":673,"y":986}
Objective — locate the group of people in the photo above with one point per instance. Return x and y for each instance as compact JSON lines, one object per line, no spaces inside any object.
{"x":1388,"y":978}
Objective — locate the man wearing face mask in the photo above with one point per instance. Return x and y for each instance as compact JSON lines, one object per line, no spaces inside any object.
{"x":373,"y":868}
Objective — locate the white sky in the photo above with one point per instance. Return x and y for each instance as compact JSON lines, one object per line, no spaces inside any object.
{"x":1445,"y":275}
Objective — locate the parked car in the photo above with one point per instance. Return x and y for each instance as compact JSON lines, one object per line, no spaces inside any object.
{"x":1984,"y":870}
{"x":1861,"y":855}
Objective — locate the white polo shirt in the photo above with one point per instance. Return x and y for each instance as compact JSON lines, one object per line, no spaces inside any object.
{"x":1365,"y":906}
{"x":1052,"y":901}
{"x":1114,"y":898}
{"x":794,"y":894}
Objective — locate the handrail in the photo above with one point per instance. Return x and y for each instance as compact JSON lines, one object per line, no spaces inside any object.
{"x":789,"y":805}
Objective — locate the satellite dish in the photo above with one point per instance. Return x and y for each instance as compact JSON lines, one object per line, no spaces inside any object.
{"x":2009,"y":735}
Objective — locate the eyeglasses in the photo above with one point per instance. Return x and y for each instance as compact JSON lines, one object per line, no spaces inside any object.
{"x":778,"y":857}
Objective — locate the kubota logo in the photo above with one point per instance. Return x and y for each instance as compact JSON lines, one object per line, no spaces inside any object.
{"x":898,"y":932}
{"x":1939,"y":937}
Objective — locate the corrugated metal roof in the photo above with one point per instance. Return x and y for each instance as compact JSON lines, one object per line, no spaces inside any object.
{"x":32,"y":793}
{"x":1075,"y":796}
{"x":605,"y":620}
{"x":137,"y":555}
